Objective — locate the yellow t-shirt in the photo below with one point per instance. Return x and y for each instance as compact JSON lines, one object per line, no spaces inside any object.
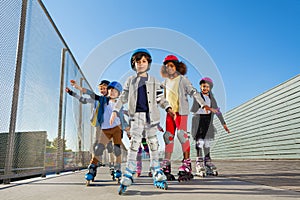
{"x":172,"y":94}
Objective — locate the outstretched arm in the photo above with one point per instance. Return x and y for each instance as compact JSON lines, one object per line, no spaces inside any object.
{"x":226,"y":128}
{"x":80,"y":98}
{"x":75,"y":85}
{"x":219,"y":113}
{"x":85,"y":90}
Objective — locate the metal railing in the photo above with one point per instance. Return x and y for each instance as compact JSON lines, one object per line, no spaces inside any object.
{"x":41,"y":130}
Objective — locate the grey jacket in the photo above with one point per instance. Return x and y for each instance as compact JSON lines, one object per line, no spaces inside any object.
{"x":154,"y":96}
{"x":185,"y":89}
{"x":195,"y":107}
{"x":196,"y":117}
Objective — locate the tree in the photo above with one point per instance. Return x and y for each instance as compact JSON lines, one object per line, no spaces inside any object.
{"x":55,"y":143}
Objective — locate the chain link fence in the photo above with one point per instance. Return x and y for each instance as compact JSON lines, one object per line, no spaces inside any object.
{"x":43,"y":130}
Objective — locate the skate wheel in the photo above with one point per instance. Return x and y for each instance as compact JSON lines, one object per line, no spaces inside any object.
{"x":165,"y":186}
{"x":122,"y":189}
{"x":215,"y":173}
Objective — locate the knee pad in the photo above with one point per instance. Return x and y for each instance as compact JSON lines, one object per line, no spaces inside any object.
{"x":168,"y":137}
{"x":109,"y":147}
{"x":99,"y":148}
{"x":182,"y":136}
{"x":199,"y":144}
{"x":117,"y":150}
{"x":206,"y":143}
{"x":153,"y":143}
{"x":134,"y":144}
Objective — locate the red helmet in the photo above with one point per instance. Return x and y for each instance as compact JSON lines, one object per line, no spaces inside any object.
{"x":170,"y":58}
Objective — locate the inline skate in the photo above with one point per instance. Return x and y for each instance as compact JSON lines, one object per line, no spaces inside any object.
{"x":124,"y":183}
{"x":112,"y":173}
{"x":200,"y":168}
{"x":166,"y":167}
{"x":211,"y":169}
{"x":90,"y":176}
{"x":160,"y":180}
{"x":117,"y":175}
{"x":185,"y":171}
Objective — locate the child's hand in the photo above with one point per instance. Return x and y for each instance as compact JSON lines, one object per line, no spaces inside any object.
{"x":214,"y":110}
{"x":207,"y":108}
{"x":69,"y":91}
{"x":125,"y":112}
{"x":127,"y":129}
{"x":112,"y":118}
{"x":160,"y":128}
{"x":226,"y":128}
{"x":171,"y":112}
{"x":74,"y":84}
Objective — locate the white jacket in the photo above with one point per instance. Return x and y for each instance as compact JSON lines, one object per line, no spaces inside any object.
{"x":155,"y":97}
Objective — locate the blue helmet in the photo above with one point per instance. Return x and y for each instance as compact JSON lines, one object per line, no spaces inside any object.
{"x":116,"y":85}
{"x":141,"y":50}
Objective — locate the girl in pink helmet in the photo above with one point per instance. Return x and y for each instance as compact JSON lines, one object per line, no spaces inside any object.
{"x":203,"y":130}
{"x":177,"y":88}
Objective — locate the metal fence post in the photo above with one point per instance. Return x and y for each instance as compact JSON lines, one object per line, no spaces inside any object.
{"x":60,"y":145}
{"x":15,"y":98}
{"x":79,"y":133}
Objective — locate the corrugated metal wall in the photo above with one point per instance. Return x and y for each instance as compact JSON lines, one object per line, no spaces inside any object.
{"x":266,"y":127}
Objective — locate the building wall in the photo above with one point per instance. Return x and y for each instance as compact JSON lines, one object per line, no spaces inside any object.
{"x":266,"y":127}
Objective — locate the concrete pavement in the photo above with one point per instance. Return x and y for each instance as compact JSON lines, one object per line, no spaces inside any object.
{"x":226,"y":186}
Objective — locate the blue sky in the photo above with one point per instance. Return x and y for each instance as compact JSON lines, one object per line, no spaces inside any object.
{"x":255,"y":44}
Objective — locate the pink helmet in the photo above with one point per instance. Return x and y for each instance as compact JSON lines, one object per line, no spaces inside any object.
{"x":207,"y":80}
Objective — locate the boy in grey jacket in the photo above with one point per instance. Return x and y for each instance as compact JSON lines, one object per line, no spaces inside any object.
{"x":143,"y":94}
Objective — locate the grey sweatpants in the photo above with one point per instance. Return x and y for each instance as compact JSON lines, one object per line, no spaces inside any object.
{"x":138,"y":126}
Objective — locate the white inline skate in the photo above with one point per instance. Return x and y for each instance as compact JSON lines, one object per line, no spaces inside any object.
{"x":200,"y":168}
{"x":124,"y":183}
